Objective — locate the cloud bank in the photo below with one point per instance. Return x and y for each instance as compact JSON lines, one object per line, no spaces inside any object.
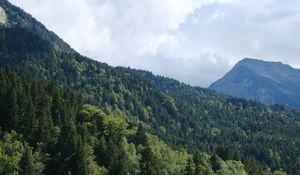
{"x":194,"y":41}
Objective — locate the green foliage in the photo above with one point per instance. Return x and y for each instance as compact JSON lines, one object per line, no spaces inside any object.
{"x":16,"y":156}
{"x":11,"y":151}
{"x":231,"y":167}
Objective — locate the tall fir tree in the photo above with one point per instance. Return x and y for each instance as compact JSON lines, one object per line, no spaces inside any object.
{"x":189,"y":168}
{"x":140,"y":136}
{"x":149,"y":162}
{"x":26,"y":164}
{"x":82,"y":164}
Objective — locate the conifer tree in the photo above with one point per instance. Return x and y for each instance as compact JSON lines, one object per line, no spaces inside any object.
{"x":82,"y":167}
{"x":189,"y":168}
{"x":215,"y":162}
{"x":140,"y":136}
{"x":149,"y":162}
{"x":26,"y":164}
{"x":12,"y":108}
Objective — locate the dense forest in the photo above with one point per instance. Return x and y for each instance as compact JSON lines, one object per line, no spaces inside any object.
{"x":46,"y":129}
{"x":62,"y":112}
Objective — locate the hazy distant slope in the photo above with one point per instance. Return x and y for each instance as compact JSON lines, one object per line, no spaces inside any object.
{"x":267,"y":82}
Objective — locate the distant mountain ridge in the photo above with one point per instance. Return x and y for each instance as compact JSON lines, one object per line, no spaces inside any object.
{"x":266,"y":82}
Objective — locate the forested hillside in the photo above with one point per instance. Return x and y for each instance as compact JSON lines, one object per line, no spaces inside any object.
{"x":46,"y":129}
{"x":244,"y":127}
{"x":60,"y":134}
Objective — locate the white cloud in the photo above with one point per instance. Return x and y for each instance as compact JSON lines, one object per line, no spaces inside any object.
{"x":119,"y":28}
{"x":195,"y":41}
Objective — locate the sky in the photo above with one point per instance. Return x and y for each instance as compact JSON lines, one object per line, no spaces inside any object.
{"x":193,"y":41}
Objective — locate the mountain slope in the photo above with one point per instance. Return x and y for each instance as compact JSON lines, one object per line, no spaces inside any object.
{"x":181,"y":115}
{"x":17,"y":18}
{"x":267,"y":82}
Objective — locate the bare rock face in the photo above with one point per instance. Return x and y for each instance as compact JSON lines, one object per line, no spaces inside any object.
{"x":2,"y":16}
